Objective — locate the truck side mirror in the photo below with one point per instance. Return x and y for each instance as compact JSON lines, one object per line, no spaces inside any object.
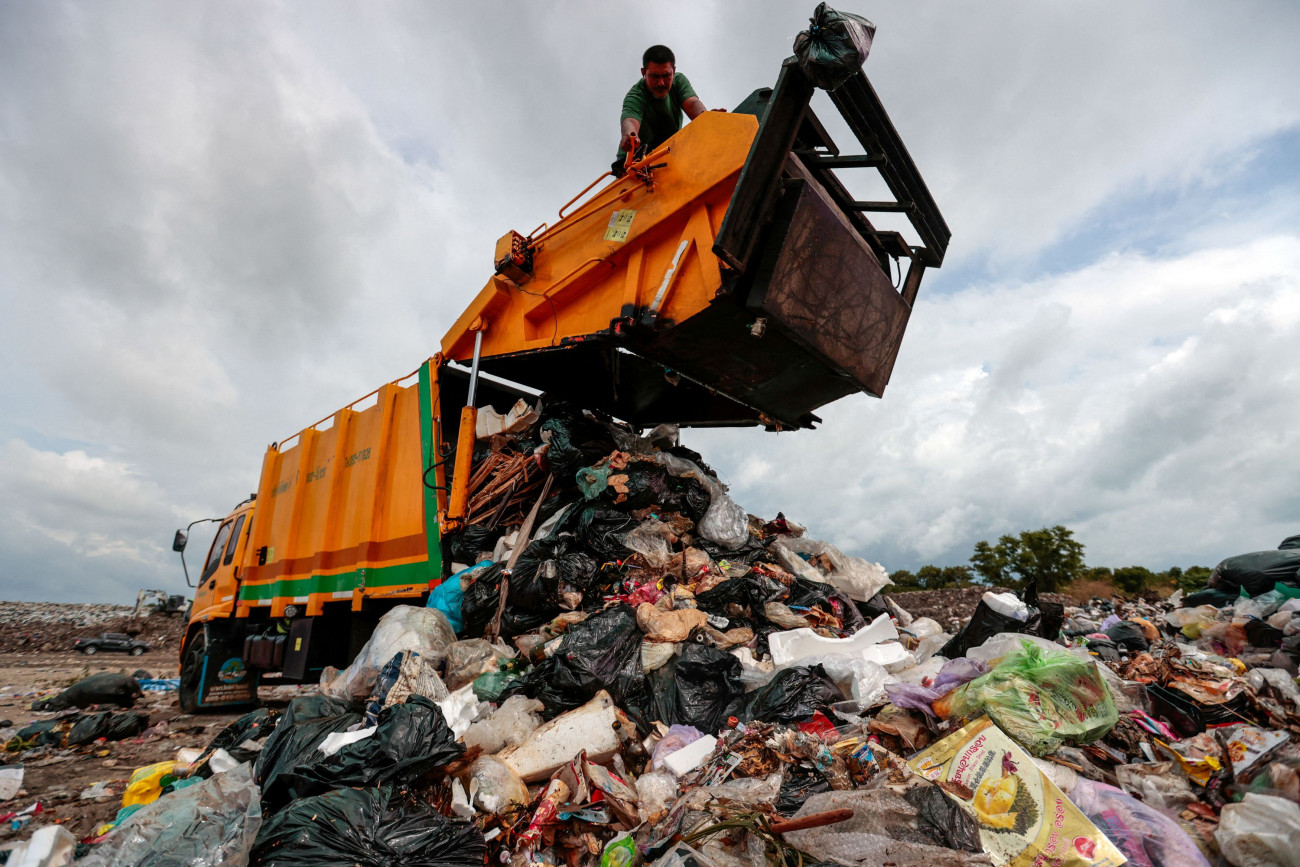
{"x":178,"y":543}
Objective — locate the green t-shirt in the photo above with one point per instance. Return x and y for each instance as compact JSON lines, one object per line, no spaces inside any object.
{"x":660,"y":118}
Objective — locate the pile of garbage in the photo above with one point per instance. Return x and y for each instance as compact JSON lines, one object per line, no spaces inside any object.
{"x":626,"y":668}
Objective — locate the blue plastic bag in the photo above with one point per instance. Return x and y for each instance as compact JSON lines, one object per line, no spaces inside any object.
{"x":447,"y":596}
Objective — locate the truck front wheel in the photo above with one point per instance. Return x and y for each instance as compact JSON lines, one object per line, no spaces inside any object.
{"x":196,"y":650}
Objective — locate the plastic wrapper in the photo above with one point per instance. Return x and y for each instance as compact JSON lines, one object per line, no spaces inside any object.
{"x":1261,"y":831}
{"x":212,"y":823}
{"x":104,"y":688}
{"x":834,"y":47}
{"x":449,"y":596}
{"x":1147,"y":837}
{"x":885,"y":829}
{"x":1023,"y":817}
{"x":1042,"y":699}
{"x":1190,"y":621}
{"x":379,"y":827}
{"x":508,"y":726}
{"x":424,"y":630}
{"x":791,"y":696}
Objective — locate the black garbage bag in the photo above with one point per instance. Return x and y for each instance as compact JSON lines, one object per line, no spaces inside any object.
{"x":686,"y":495}
{"x":480,"y":600}
{"x":544,"y":566}
{"x":799,"y":785}
{"x":792,"y":696}
{"x":873,"y":607}
{"x":943,"y":820}
{"x":1104,"y":649}
{"x":466,"y":545}
{"x":1290,"y":543}
{"x":812,"y":594}
{"x":108,"y":725}
{"x":1260,"y":634}
{"x":1127,"y":635}
{"x":749,"y":553}
{"x":600,"y":530}
{"x":703,"y":682}
{"x":1211,"y":596}
{"x":104,"y":688}
{"x":748,"y":591}
{"x":305,"y":723}
{"x":252,"y":726}
{"x":1256,"y":573}
{"x":986,"y":623}
{"x":412,"y":739}
{"x":380,"y":827}
{"x":576,"y":441}
{"x":601,"y":652}
{"x":46,"y":732}
{"x":834,"y":47}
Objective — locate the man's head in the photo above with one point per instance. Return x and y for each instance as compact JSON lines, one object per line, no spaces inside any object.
{"x":657,"y":69}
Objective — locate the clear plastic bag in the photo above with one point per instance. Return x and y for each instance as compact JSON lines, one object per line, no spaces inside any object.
{"x":651,"y":540}
{"x":725,"y":523}
{"x":1143,"y":834}
{"x":212,"y":823}
{"x":509,"y":726}
{"x":472,"y":657}
{"x":494,"y":786}
{"x":858,"y":578}
{"x":1261,"y":831}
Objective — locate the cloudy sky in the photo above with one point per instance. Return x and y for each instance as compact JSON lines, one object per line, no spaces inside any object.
{"x":219,"y":221}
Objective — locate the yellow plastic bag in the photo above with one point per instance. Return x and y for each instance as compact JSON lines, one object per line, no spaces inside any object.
{"x":148,"y":782}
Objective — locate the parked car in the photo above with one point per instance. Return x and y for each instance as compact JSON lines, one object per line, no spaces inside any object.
{"x":115,"y":641}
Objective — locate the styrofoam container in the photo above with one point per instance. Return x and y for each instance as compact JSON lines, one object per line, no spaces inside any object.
{"x":590,"y":728}
{"x":793,"y":644}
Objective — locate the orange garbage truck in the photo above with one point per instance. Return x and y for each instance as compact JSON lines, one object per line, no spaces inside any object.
{"x":727,"y":278}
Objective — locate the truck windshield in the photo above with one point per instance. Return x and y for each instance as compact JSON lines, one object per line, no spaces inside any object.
{"x":214,"y":553}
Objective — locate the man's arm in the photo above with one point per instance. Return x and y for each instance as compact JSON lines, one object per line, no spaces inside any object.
{"x":629,"y":127}
{"x":693,"y":107}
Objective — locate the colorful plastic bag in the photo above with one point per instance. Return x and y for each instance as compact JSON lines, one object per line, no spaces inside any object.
{"x":1042,"y":699}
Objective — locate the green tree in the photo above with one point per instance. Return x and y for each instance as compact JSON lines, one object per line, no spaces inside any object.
{"x":1192,"y":578}
{"x":936,"y":578}
{"x":1133,"y":580}
{"x":1051,"y":555}
{"x":903,"y":581}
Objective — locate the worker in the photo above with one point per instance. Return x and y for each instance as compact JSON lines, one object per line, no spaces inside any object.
{"x":652,"y":109}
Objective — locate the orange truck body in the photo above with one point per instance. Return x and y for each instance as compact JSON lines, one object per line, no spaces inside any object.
{"x":728,"y":278}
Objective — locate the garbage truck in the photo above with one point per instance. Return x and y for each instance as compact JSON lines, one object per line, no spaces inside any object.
{"x":728,"y":277}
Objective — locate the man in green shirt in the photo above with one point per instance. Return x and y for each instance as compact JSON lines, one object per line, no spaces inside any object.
{"x":652,"y":109}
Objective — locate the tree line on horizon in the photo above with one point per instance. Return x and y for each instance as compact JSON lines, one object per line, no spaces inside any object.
{"x":1053,"y":557}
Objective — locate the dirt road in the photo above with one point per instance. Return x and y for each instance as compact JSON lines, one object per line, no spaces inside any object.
{"x":57,"y":777}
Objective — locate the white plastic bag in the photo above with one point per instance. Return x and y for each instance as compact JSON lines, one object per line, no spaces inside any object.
{"x":405,"y":627}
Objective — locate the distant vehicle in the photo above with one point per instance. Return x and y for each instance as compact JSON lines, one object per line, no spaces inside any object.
{"x":114,"y":641}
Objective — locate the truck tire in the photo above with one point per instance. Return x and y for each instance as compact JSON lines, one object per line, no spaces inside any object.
{"x":187,"y":692}
{"x":137,"y":651}
{"x":90,"y":650}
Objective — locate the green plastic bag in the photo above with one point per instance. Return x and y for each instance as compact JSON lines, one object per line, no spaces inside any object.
{"x":1042,"y":699}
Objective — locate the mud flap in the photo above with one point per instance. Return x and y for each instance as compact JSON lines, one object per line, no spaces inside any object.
{"x":223,"y":680}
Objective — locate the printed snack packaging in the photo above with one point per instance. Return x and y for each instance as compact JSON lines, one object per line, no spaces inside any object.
{"x":1024,"y":819}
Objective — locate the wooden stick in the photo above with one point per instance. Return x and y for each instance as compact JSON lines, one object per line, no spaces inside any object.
{"x":521,"y":542}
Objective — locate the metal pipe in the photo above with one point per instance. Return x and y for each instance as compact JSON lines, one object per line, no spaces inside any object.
{"x":473,"y":370}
